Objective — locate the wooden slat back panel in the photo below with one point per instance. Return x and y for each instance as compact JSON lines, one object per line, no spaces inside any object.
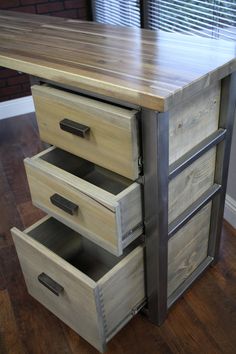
{"x":190,"y":184}
{"x":193,"y":121}
{"x":188,"y":248}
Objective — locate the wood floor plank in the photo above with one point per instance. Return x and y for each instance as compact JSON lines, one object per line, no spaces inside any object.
{"x":9,"y":214}
{"x":216,"y":310}
{"x":2,"y":280}
{"x":76,"y":343}
{"x":19,"y":139}
{"x":139,"y":337}
{"x":29,"y":214}
{"x":10,"y":341}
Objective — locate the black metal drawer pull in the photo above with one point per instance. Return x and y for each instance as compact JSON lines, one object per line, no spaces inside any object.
{"x":74,"y":127}
{"x":50,"y":284}
{"x":64,"y":204}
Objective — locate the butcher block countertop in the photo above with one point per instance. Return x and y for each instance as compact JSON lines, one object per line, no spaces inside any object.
{"x":153,"y":69}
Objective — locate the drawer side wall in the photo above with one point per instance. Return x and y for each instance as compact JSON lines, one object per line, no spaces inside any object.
{"x":122,"y":289}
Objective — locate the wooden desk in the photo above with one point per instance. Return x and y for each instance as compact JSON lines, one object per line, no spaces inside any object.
{"x":152,"y":113}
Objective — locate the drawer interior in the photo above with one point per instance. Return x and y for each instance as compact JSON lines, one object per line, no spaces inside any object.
{"x":94,"y":174}
{"x":83,"y":254}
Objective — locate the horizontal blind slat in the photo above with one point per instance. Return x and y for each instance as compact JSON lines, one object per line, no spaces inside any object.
{"x":124,"y":13}
{"x":194,"y":12}
{"x":198,"y":19}
{"x":216,"y":19}
{"x":196,"y":5}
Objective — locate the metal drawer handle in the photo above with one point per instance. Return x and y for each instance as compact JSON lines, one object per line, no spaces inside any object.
{"x":64,"y":204}
{"x":50,"y":284}
{"x":74,"y":127}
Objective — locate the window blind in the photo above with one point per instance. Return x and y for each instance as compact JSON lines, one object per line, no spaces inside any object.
{"x":210,"y":18}
{"x":117,"y":12}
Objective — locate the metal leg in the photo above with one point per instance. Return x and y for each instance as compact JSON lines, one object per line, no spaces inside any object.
{"x":226,"y":120}
{"x":155,"y":135}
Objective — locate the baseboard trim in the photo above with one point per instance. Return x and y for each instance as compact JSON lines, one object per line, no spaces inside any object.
{"x":230,"y":211}
{"x":16,"y":107}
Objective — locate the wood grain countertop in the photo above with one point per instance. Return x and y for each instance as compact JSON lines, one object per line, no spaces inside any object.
{"x":152,"y":69}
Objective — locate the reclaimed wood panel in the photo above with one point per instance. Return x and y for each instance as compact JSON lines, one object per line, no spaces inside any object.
{"x":152,"y":69}
{"x":188,"y":248}
{"x":193,"y":121}
{"x":10,"y":341}
{"x":191,"y":183}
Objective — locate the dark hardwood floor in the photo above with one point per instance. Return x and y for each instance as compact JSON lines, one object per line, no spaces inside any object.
{"x":203,"y":321}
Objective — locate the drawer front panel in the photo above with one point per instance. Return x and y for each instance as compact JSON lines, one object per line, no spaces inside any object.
{"x":92,"y":219}
{"x":76,"y":306}
{"x":190,"y":184}
{"x":97,"y":131}
{"x":192,"y":122}
{"x":111,"y":221}
{"x":188,"y":248}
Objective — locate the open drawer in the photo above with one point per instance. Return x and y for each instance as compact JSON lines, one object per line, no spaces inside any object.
{"x":101,"y":132}
{"x":92,"y":291}
{"x":103,"y":206}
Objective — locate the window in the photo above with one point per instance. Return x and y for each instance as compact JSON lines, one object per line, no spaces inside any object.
{"x":118,"y":12}
{"x":209,"y":18}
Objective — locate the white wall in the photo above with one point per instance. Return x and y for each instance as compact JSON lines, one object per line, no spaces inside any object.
{"x":230,"y":204}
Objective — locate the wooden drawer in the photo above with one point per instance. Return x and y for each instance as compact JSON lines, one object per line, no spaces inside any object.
{"x":92,"y":291}
{"x":111,"y":140}
{"x":103,"y":206}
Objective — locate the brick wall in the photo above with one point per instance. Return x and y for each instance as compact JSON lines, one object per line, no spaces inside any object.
{"x":15,"y":85}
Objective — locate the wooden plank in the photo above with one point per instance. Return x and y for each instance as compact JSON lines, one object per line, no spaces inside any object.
{"x":189,"y":185}
{"x":153,"y":69}
{"x":113,"y":130}
{"x":10,"y":341}
{"x":122,"y":289}
{"x":130,"y":209}
{"x":188,"y":248}
{"x":193,"y":121}
{"x":77,"y":305}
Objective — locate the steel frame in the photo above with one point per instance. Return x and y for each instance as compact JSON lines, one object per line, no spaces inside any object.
{"x":155,"y":135}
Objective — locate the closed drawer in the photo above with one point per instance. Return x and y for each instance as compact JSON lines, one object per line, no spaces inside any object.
{"x":92,"y":291}
{"x":96,"y":131}
{"x":103,"y":206}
